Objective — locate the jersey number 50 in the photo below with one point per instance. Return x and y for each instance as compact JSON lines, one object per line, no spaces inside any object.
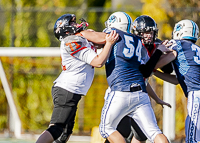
{"x":129,"y":50}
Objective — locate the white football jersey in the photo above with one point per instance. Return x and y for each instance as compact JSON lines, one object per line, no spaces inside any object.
{"x":77,"y":75}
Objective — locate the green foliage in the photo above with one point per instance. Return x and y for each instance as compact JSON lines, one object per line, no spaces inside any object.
{"x":31,"y":86}
{"x":3,"y":109}
{"x":94,"y":101}
{"x":181,"y":108}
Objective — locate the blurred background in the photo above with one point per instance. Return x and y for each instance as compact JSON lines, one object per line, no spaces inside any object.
{"x":29,"y":23}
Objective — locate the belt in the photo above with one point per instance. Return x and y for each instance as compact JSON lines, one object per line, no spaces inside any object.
{"x":135,"y":88}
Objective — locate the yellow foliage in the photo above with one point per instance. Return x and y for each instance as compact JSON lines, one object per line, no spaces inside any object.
{"x":155,"y":9}
{"x":166,"y":30}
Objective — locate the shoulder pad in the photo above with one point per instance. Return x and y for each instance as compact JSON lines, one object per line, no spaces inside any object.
{"x":74,"y":43}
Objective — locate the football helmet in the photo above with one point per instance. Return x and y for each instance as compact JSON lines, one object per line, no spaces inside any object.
{"x":120,"y":20}
{"x":143,"y":24}
{"x":66,"y":25}
{"x":186,"y":29}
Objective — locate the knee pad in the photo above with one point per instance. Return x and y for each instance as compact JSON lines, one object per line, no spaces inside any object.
{"x":67,"y":131}
{"x":55,"y":131}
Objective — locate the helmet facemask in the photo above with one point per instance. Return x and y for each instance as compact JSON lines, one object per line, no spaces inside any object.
{"x":83,"y":25}
{"x":148,"y":37}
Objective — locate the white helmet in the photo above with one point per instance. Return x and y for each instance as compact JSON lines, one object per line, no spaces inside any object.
{"x":121,"y":21}
{"x":186,"y":29}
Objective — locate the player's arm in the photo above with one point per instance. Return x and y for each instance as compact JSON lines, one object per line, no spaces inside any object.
{"x":147,"y":69}
{"x":167,"y":68}
{"x":166,"y":77}
{"x":101,"y":59}
{"x":94,"y":37}
{"x":153,"y":95}
{"x":165,"y":59}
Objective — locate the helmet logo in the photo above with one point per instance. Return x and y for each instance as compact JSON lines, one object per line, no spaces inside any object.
{"x":112,"y":19}
{"x":58,"y":23}
{"x":178,"y":27}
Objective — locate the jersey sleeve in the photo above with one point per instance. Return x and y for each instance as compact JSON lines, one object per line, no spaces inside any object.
{"x":174,"y":45}
{"x":147,"y":69}
{"x":144,"y":56}
{"x":86,"y":55}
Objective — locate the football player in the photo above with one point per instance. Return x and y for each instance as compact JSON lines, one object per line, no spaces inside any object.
{"x":146,"y":28}
{"x":187,"y":69}
{"x":79,"y":58}
{"x":127,"y":65}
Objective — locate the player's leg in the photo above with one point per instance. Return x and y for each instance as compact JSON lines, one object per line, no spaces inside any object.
{"x":45,"y":137}
{"x":161,"y":138}
{"x":69,"y":116}
{"x":192,"y":123}
{"x":139,"y":136}
{"x":65,"y":105}
{"x":124,"y":128}
{"x":116,"y":137}
{"x":134,"y":140}
{"x":113,"y":111}
{"x":129,"y":129}
{"x":144,"y":116}
{"x":67,"y":131}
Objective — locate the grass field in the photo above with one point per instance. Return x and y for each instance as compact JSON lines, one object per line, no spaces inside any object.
{"x":73,"y":139}
{"x":32,"y":141}
{"x":15,"y":141}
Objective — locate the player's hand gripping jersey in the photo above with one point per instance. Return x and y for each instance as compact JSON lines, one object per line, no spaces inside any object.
{"x":187,"y":65}
{"x":76,"y":55}
{"x":122,"y":67}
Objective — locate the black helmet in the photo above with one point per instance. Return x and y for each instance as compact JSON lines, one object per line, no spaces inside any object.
{"x":144,"y":24}
{"x":63,"y":25}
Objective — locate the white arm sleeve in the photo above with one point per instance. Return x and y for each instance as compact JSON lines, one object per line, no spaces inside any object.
{"x":86,"y":55}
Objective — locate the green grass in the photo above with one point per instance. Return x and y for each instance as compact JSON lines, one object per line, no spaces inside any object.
{"x":15,"y":141}
{"x":29,"y":141}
